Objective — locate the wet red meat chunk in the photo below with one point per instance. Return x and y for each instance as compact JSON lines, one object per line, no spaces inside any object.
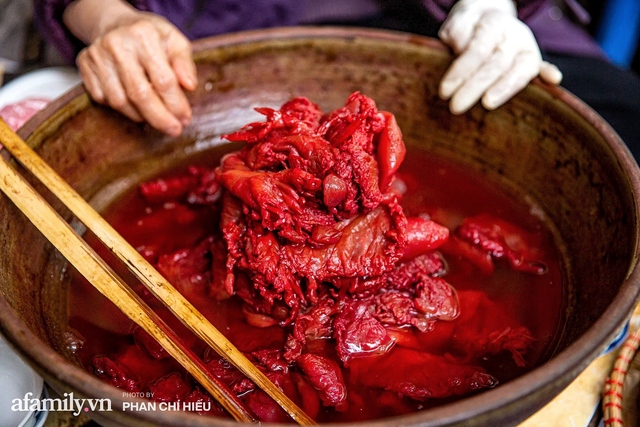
{"x":358,"y":333}
{"x":199,"y":186}
{"x":482,"y":329}
{"x":170,"y":388}
{"x":308,"y":202}
{"x":484,"y":239}
{"x":420,"y":375}
{"x":313,"y":242}
{"x":485,"y":328}
{"x":149,"y":345}
{"x":188,"y":270}
{"x":115,"y":374}
{"x":325,"y":376}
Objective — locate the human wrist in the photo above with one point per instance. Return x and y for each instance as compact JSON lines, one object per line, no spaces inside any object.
{"x":91,"y":19}
{"x":507,"y":6}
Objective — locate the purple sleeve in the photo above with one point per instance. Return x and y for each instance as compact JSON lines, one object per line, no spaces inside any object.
{"x":195,"y":19}
{"x":47,"y":16}
{"x":440,"y":8}
{"x":556,"y":30}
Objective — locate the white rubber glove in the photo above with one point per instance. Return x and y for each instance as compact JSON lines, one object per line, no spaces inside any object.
{"x":497,"y":55}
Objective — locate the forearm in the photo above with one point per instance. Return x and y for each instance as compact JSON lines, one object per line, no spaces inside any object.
{"x":89,"y":19}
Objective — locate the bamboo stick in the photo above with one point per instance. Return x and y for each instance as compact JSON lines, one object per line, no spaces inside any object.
{"x":105,"y":280}
{"x":144,"y":271}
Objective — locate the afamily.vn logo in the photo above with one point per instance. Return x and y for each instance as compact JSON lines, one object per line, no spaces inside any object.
{"x":66,"y":403}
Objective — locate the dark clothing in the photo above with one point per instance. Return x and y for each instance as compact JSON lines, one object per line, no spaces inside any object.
{"x":559,"y":26}
{"x":195,"y":18}
{"x":613,"y":92}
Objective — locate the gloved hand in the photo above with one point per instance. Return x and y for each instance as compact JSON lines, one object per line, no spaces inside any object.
{"x":497,"y":55}
{"x":136,"y":62}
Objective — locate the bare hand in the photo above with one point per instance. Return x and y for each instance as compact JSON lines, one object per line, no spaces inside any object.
{"x":140,"y":68}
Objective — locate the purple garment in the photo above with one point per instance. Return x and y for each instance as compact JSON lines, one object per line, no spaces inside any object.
{"x":195,"y":18}
{"x":47,"y":17}
{"x":440,"y":8}
{"x":202,"y":18}
{"x":555,"y":31}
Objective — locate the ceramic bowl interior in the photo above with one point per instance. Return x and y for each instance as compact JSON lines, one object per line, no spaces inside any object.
{"x":544,"y":142}
{"x":19,"y":381}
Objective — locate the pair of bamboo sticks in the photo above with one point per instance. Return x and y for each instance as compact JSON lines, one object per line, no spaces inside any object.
{"x":105,"y":280}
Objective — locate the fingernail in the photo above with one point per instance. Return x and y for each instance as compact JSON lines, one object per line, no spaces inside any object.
{"x":491,"y":102}
{"x":442,"y":91}
{"x":192,"y":83}
{"x":175,"y":130}
{"x":193,"y":78}
{"x":185,"y":117}
{"x":447,"y":88}
{"x":457,"y":107}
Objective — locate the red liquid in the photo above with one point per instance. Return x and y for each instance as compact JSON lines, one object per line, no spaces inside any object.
{"x":445,"y":191}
